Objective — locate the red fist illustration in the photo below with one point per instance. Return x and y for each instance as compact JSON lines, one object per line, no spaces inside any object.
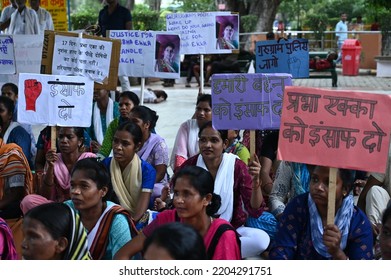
{"x":32,"y":89}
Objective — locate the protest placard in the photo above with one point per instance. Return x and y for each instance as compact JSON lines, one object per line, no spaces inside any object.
{"x":7,"y":58}
{"x":47,"y":56}
{"x":248,"y":101}
{"x":283,"y":56}
{"x":205,"y":33}
{"x":342,"y":129}
{"x":55,"y":100}
{"x":28,"y":53}
{"x":82,"y":57}
{"x":148,"y":53}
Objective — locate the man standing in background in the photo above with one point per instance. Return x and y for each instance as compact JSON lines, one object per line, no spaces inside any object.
{"x":24,"y":20}
{"x":44,"y":17}
{"x":341,"y":35}
{"x":6,"y":13}
{"x":115,"y":17}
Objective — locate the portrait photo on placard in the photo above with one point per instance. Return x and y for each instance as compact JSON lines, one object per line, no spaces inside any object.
{"x":227,"y":32}
{"x":167,"y":53}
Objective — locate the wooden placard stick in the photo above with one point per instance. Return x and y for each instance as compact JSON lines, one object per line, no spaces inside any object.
{"x":53,"y":138}
{"x":252,"y":144}
{"x":331,"y":200}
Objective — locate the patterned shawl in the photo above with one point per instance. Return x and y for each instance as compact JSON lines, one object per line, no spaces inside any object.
{"x":13,"y":162}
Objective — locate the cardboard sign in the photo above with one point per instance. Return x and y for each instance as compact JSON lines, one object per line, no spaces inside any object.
{"x":205,"y":33}
{"x":82,"y":57}
{"x":248,"y":101}
{"x":342,"y":129}
{"x":148,"y":53}
{"x":47,"y":57}
{"x":55,"y":100}
{"x":283,"y":56}
{"x":7,"y":58}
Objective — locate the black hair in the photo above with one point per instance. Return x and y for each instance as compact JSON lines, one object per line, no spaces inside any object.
{"x":205,"y":98}
{"x":133,"y":129}
{"x":13,"y":87}
{"x":56,"y":217}
{"x":229,"y":24}
{"x":146,"y":115}
{"x":95,"y":171}
{"x":170,"y":44}
{"x":8,"y":104}
{"x":386,"y":214}
{"x":203,"y":182}
{"x":223,"y":133}
{"x":348,"y":176}
{"x":79,"y":132}
{"x":131,"y":96}
{"x":182,"y":241}
{"x":270,"y":36}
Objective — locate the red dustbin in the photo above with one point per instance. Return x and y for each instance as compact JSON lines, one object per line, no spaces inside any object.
{"x":351,"y":50}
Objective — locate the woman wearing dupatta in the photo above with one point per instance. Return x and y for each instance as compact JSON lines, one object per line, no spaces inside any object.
{"x":53,"y":231}
{"x":303,"y":232}
{"x":7,"y":245}
{"x":186,"y":140}
{"x":132,"y":178}
{"x":154,"y":149}
{"x":109,"y":226}
{"x":16,"y":179}
{"x":241,"y":194}
{"x":58,"y":166}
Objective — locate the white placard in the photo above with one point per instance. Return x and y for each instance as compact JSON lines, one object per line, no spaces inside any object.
{"x":148,"y":53}
{"x":55,"y":100}
{"x":203,"y":33}
{"x":28,"y":53}
{"x":7,"y":58}
{"x":82,"y":57}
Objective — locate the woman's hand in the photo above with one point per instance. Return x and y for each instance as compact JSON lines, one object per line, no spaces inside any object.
{"x":254,"y":169}
{"x":332,"y":240}
{"x":51,"y":157}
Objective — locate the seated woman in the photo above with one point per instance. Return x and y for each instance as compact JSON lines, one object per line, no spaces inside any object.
{"x":174,"y":241}
{"x":292,"y":179}
{"x":7,"y":245}
{"x":44,"y":145}
{"x":53,"y":231}
{"x":132,"y":178}
{"x":186,"y":140}
{"x":109,"y":226}
{"x":154,"y":149}
{"x":56,"y":178}
{"x":239,"y":188}
{"x":235,"y":147}
{"x":304,"y":234}
{"x":16,"y":179}
{"x":196,"y":205}
{"x":385,"y":234}
{"x":127,"y":101}
{"x":13,"y":132}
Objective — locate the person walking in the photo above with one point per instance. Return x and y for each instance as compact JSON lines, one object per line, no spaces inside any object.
{"x":341,"y":35}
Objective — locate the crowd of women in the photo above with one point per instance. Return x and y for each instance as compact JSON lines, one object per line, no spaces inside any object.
{"x":105,"y":193}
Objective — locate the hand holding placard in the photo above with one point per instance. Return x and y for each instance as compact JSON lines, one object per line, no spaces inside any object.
{"x":32,"y":90}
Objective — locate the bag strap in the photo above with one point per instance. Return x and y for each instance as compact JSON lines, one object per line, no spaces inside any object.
{"x":216,"y":237}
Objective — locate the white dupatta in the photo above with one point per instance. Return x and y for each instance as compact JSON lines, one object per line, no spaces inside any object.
{"x":224,"y":183}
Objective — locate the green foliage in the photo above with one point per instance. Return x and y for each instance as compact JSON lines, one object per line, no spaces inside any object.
{"x":83,"y":17}
{"x":198,"y":6}
{"x":145,"y":19}
{"x":248,"y":23}
{"x":317,"y":23}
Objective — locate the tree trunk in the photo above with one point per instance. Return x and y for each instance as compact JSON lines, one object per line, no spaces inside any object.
{"x":154,"y":5}
{"x":265,"y":10}
{"x":130,"y":5}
